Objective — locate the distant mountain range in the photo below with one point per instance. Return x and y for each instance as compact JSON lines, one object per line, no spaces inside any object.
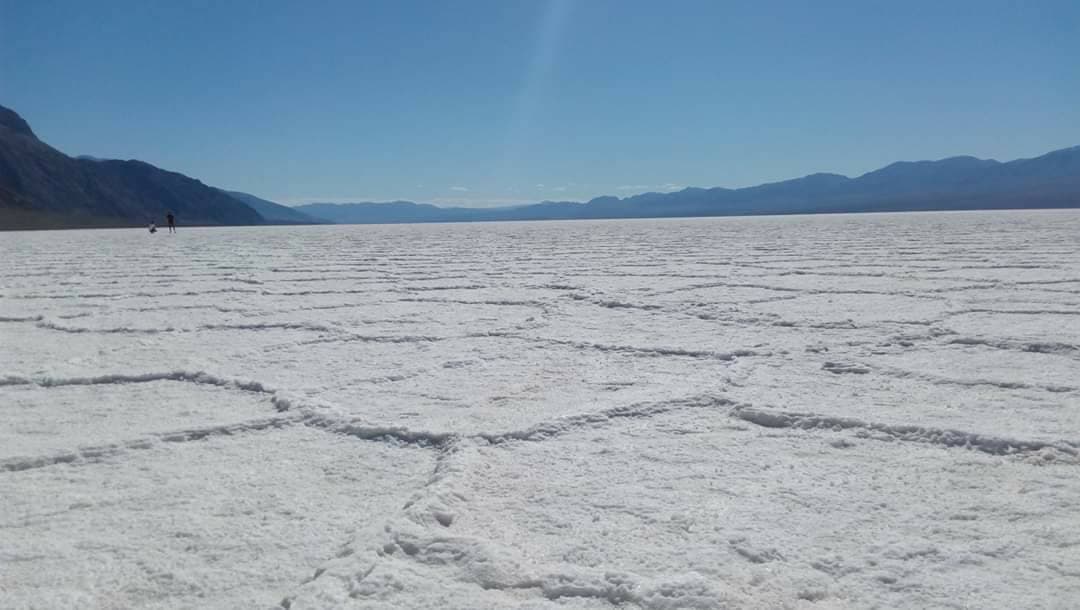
{"x":956,"y":183}
{"x":275,"y":213}
{"x":40,"y":187}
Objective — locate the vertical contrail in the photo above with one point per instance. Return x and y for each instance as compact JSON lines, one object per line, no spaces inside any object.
{"x":548,"y":36}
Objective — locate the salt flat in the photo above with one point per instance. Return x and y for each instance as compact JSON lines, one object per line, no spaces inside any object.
{"x":794,"y":412}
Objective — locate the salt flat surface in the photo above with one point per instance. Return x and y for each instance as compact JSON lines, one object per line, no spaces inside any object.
{"x":799,"y":412}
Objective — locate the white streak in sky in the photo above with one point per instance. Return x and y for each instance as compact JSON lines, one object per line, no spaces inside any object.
{"x":531,"y":95}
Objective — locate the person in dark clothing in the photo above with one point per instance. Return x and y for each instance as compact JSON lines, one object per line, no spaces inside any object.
{"x":172,"y":222}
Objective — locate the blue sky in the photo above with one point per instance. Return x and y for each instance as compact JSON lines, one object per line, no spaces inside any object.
{"x":500,"y":101}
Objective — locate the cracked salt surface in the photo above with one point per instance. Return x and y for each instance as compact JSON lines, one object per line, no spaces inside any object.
{"x":836,"y":411}
{"x":226,"y":522}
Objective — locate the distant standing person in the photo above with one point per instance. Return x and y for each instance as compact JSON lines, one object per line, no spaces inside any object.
{"x":172,"y":222}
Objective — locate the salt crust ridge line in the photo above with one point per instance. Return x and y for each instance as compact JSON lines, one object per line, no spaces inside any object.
{"x":127,"y":295}
{"x":769,"y":418}
{"x":773,"y":418}
{"x":37,"y":318}
{"x":658,"y":351}
{"x":41,"y":322}
{"x":1036,"y":347}
{"x":198,"y":377}
{"x":280,"y":401}
{"x":545,"y":430}
{"x":647,"y":351}
{"x":942,"y":380}
{"x":840,"y":368}
{"x":47,"y":324}
{"x":324,"y":416}
{"x":97,"y":452}
{"x":315,"y":415}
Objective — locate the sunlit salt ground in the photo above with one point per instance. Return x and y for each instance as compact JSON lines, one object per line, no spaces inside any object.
{"x":801,"y":412}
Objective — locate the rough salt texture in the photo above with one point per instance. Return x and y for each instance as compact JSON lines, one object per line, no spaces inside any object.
{"x":828,"y":412}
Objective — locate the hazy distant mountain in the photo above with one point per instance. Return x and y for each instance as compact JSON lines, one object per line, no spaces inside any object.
{"x":275,"y":213}
{"x":956,"y":183}
{"x":40,"y":187}
{"x":395,"y":211}
{"x":407,"y":211}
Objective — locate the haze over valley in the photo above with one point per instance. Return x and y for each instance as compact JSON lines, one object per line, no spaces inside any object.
{"x":41,"y":187}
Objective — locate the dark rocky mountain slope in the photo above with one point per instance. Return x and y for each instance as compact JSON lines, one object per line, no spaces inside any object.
{"x":41,"y":187}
